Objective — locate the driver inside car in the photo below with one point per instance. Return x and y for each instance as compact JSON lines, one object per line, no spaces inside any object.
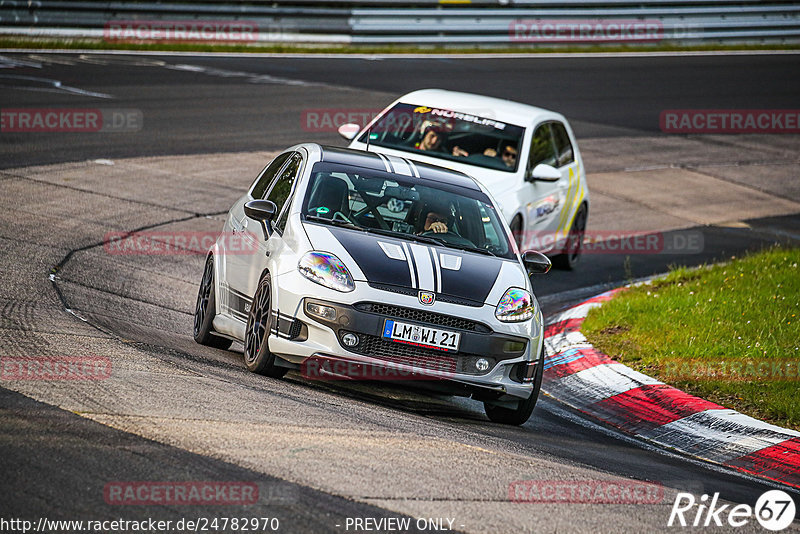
{"x":435,"y":217}
{"x":436,"y":223}
{"x":433,"y":137}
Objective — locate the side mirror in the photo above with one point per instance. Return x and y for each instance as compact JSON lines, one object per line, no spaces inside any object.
{"x":349,"y":130}
{"x":546,"y":173}
{"x":261,"y":210}
{"x":536,"y":262}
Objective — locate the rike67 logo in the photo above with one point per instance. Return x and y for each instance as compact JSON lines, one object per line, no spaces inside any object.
{"x":774,"y":510}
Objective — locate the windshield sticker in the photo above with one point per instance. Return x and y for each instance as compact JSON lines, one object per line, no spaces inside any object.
{"x":460,"y":116}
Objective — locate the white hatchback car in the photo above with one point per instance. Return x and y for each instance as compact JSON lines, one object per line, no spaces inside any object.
{"x":526,"y":157}
{"x":379,"y":262}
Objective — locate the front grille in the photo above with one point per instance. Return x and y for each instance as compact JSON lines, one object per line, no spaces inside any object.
{"x":377,"y":347}
{"x":414,"y":292}
{"x":422,"y":316}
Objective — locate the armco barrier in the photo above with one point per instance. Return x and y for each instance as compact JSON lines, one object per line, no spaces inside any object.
{"x":489,"y":22}
{"x":591,"y":382}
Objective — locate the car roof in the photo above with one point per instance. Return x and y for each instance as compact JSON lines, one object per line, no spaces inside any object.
{"x":482,"y":106}
{"x":397,"y":165}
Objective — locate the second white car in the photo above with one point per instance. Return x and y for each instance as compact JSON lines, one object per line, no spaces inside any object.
{"x":526,"y":156}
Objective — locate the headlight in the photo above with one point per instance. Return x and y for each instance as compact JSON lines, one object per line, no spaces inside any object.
{"x":515,"y":306}
{"x":327,"y":270}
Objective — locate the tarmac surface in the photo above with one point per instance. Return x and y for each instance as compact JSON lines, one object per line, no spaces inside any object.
{"x":323,"y":452}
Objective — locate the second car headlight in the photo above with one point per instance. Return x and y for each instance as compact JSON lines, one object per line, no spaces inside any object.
{"x":515,"y":306}
{"x":327,"y":270}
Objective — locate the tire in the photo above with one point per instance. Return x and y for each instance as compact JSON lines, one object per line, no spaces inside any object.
{"x":205,"y":309}
{"x":257,"y":357}
{"x":572,"y":252}
{"x":522,"y":413}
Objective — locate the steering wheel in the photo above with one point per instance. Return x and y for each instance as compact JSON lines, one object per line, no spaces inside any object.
{"x":449,"y":237}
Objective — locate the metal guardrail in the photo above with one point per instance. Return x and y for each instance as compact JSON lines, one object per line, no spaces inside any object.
{"x":491,"y":22}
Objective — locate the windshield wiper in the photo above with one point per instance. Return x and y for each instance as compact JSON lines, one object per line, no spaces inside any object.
{"x":334,"y":222}
{"x":471,"y":249}
{"x":401,"y":235}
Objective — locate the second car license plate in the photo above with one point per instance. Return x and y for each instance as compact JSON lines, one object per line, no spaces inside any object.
{"x":421,"y":335}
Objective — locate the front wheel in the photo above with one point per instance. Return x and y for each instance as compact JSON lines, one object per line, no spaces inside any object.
{"x":257,"y":357}
{"x":205,"y":309}
{"x":523,"y":411}
{"x":572,"y":251}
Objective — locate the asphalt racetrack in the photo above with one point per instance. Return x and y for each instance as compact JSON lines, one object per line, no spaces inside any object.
{"x":323,"y":454}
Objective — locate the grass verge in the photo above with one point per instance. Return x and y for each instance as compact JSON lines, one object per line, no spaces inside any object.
{"x":99,"y":44}
{"x":729,"y":333}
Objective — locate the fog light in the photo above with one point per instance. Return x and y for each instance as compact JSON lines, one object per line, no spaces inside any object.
{"x":482,"y":364}
{"x":321,"y":311}
{"x":351,"y":340}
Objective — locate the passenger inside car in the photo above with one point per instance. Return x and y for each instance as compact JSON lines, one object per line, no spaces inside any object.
{"x":508,"y":154}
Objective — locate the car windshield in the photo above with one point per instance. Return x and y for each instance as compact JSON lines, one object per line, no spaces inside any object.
{"x":405,"y":207}
{"x":473,"y":138}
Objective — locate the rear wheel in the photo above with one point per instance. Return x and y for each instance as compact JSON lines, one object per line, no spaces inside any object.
{"x":257,"y":357}
{"x":523,"y":411}
{"x":572,"y":251}
{"x":205,"y":309}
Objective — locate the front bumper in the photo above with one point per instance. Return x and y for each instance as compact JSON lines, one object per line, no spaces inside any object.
{"x":512,"y":359}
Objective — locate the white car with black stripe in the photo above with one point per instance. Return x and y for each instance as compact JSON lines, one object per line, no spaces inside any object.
{"x":526,"y":156}
{"x":380,"y":262}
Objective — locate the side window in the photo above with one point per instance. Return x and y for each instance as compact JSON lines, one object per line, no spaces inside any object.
{"x":563,"y":145}
{"x":283,"y":187}
{"x":542,"y":149}
{"x":269,"y":173}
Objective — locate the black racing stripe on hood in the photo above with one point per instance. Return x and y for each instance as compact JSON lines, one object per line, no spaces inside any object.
{"x":371,"y":258}
{"x":472,"y":281}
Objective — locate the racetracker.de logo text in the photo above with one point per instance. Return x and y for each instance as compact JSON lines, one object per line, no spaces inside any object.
{"x":585,"y":30}
{"x":730,"y":121}
{"x":231,"y":31}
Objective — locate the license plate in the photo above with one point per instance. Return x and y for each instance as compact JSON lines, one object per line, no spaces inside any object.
{"x":424,"y":336}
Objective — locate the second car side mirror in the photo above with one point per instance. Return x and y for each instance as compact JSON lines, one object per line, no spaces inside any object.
{"x":349,"y":130}
{"x":536,"y":262}
{"x":546,"y":173}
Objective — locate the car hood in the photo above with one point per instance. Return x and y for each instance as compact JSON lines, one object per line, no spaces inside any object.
{"x":408,"y":267}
